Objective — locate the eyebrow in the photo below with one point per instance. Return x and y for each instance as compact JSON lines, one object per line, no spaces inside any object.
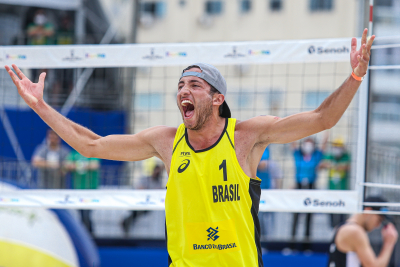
{"x":191,"y":81}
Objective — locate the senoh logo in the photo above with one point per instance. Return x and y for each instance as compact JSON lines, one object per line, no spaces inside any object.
{"x":321,"y":203}
{"x":323,"y":50}
{"x":307,"y":201}
{"x":185,"y":163}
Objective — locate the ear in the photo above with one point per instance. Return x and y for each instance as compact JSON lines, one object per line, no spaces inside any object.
{"x":218,"y":99}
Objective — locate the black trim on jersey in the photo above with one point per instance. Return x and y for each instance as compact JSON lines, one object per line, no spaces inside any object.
{"x":255,"y":193}
{"x":177,"y":144}
{"x":166,"y":242}
{"x":336,"y":256}
{"x":208,"y":148}
{"x":230,"y":140}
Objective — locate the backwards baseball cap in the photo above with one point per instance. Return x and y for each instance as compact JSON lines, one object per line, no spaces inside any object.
{"x":211,"y":75}
{"x":379,"y":199}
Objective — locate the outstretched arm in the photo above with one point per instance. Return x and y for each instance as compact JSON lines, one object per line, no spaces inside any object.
{"x":115,"y":147}
{"x":295,"y":127}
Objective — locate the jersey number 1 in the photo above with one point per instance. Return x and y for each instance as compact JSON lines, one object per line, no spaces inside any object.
{"x":223,"y":166}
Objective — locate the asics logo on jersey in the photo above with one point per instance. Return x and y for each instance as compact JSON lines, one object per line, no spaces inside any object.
{"x":184,"y":165}
{"x":212,"y":234}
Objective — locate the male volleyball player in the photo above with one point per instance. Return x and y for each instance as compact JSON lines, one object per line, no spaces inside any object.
{"x":350,"y":246}
{"x":212,"y":192}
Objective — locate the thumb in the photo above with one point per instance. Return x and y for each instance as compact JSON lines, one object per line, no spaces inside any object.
{"x":41,"y":78}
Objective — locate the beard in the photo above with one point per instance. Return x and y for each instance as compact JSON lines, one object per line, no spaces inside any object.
{"x":202,"y":112}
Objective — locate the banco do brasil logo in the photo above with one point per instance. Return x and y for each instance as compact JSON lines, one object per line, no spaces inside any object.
{"x":185,"y":163}
{"x":212,"y":233}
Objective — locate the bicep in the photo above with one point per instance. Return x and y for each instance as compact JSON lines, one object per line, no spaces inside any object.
{"x":366,"y":254}
{"x":292,"y":128}
{"x":134,"y":147}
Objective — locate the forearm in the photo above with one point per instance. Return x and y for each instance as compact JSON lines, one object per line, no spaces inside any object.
{"x":77,"y":136}
{"x":332,"y":109}
{"x":385,"y":254}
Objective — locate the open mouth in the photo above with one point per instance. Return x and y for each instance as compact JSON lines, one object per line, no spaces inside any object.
{"x":188,"y":108}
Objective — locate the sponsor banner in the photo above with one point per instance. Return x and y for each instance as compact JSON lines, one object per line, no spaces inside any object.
{"x":137,"y":55}
{"x":85,"y":199}
{"x":318,"y":201}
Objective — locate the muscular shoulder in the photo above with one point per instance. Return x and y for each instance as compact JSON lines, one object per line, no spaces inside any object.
{"x":254,"y":127}
{"x":350,"y":236}
{"x":159,"y":135}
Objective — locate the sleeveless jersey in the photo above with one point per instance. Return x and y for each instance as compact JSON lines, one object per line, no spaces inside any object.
{"x":211,"y":205}
{"x":341,"y":259}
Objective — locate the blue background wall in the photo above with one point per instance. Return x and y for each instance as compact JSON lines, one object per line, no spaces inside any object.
{"x":157,"y":257}
{"x":31,"y":130}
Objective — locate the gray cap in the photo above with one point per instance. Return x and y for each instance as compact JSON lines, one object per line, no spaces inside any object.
{"x":211,"y":75}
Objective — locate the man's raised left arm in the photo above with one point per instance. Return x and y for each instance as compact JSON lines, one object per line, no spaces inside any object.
{"x":285,"y":130}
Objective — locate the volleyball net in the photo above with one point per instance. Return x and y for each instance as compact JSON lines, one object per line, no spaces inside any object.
{"x":123,"y":89}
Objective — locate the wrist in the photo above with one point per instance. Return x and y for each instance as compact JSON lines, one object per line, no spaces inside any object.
{"x":39,"y":105}
{"x":389,"y":243}
{"x":356,"y":77}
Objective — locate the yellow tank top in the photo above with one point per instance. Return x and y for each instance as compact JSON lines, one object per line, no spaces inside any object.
{"x":211,"y":205}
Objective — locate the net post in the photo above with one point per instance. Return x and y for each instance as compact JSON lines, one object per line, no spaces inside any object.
{"x":362,"y":140}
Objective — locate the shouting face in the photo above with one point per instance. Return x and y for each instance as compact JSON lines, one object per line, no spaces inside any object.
{"x":194,"y":101}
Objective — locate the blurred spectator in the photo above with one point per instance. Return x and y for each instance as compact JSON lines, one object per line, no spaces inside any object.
{"x":65,"y":77}
{"x":270,"y":174}
{"x":49,"y":158}
{"x":40,"y":31}
{"x":262,"y":170}
{"x":65,"y":32}
{"x":338,"y":165}
{"x":152,"y":179}
{"x":307,"y":159}
{"x":85,"y":175}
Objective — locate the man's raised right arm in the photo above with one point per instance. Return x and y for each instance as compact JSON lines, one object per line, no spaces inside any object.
{"x":115,"y":147}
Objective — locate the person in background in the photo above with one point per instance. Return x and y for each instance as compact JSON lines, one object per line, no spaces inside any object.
{"x":49,"y":158}
{"x":350,"y":245}
{"x":151,"y":179}
{"x":85,"y":175}
{"x":270,"y":174}
{"x":64,"y":81}
{"x":337,"y":162}
{"x":307,"y":158}
{"x":40,"y":31}
{"x":263,"y":172}
{"x":65,"y":32}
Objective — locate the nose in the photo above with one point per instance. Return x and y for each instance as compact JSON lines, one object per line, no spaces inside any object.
{"x":184,"y":90}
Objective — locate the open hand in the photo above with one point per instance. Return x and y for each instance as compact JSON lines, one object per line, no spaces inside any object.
{"x":31,"y":92}
{"x":359,"y":58}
